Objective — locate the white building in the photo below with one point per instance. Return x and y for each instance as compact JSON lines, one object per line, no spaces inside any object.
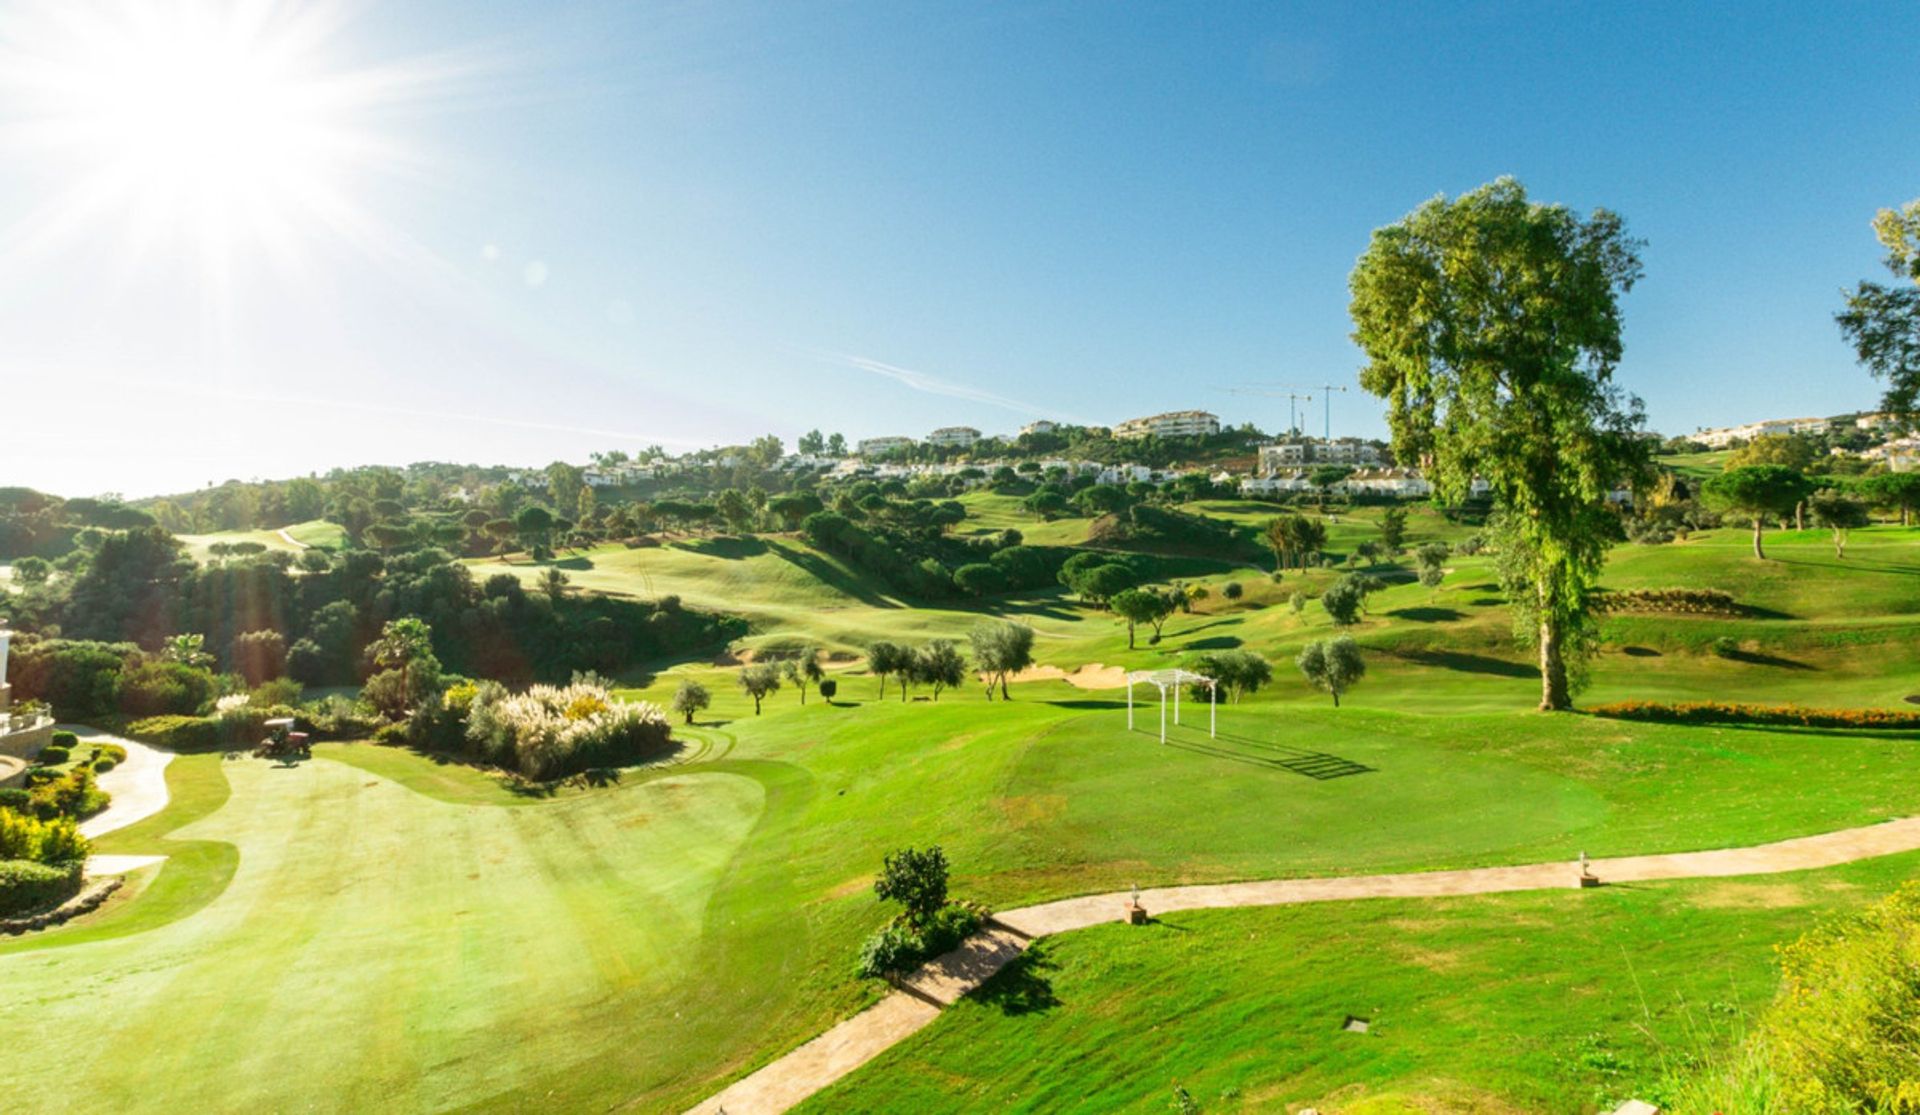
{"x":1174,"y":423}
{"x":1773,"y":427}
{"x":1041,"y":427}
{"x":957,"y":437}
{"x":1317,"y":451}
{"x":874,"y":446}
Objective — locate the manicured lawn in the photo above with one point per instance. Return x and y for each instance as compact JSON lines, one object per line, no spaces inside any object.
{"x":1563,"y":1001}
{"x":396,"y":932}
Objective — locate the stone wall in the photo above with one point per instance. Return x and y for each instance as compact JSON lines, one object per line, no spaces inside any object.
{"x":27,"y":744}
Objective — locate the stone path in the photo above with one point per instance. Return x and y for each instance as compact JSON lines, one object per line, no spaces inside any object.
{"x":139,"y":789}
{"x":786,"y":1082}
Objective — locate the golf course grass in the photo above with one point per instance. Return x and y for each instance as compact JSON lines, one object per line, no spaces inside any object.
{"x":390,"y":931}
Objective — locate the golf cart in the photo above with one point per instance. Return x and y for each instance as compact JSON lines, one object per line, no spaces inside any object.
{"x":283,"y":742}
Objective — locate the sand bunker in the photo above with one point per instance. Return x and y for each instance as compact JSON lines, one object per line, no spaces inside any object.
{"x":1091,"y":676}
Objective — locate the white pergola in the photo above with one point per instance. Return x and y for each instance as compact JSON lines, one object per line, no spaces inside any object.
{"x":1173,"y":679}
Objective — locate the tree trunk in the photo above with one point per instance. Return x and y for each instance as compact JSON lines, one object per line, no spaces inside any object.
{"x":1800,"y":515}
{"x":1336,"y":697}
{"x":1553,"y":671}
{"x":1004,"y":695}
{"x":1757,"y":551}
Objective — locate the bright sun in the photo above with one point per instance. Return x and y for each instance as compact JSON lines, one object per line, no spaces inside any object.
{"x":226,"y":124}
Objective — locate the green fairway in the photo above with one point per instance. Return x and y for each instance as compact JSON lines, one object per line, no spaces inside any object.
{"x":401,"y":932}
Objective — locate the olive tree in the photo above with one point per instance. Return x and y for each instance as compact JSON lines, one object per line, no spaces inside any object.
{"x":884,"y":658}
{"x":940,"y":665}
{"x":758,"y":681}
{"x":1332,"y":666}
{"x":1838,"y":512}
{"x":1000,"y":650}
{"x":1491,"y":326}
{"x":691,"y":697}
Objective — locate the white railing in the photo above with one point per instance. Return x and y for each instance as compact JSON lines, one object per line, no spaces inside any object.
{"x":11,"y":724}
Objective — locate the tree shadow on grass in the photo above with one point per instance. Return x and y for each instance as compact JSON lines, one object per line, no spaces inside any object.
{"x":1087,"y":703}
{"x":1427,"y":615}
{"x":1756,"y":658}
{"x":1466,"y":663}
{"x":724,"y":546}
{"x":1023,"y":986}
{"x":1216,"y":642}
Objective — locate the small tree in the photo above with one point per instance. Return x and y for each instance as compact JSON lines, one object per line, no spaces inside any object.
{"x":1298,"y":602}
{"x":1332,"y":665}
{"x":1342,"y":601}
{"x":1001,"y":649}
{"x":1432,"y":561}
{"x":553,"y":582}
{"x":408,"y":672}
{"x":1760,"y":492}
{"x":1232,"y":590}
{"x":758,"y":681}
{"x":884,"y":658}
{"x":828,"y":687}
{"x":691,"y":697}
{"x":941,"y":665}
{"x":1136,"y":606}
{"x":804,"y":670}
{"x":916,"y":880}
{"x":1838,"y":512}
{"x":1393,"y":528}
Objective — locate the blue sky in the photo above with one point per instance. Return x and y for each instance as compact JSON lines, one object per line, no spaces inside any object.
{"x":606,"y":225}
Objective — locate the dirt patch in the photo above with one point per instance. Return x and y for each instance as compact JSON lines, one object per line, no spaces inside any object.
{"x":1433,"y":960}
{"x":1749,"y":896}
{"x":1093,"y":675}
{"x":1033,"y":808}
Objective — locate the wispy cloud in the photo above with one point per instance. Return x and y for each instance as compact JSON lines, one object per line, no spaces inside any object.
{"x":935,"y":385}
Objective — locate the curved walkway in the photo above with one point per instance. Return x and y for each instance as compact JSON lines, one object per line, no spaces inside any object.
{"x":139,"y":790}
{"x":793,"y":1078}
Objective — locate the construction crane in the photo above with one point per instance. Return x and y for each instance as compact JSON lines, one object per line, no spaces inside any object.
{"x":1292,"y":397}
{"x":1326,"y":395}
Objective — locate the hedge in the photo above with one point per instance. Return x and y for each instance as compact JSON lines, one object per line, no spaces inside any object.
{"x":1684,"y":601}
{"x":179,"y":733}
{"x":27,"y":886}
{"x":1722,"y":712}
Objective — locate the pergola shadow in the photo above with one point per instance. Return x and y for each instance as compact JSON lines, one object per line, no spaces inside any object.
{"x":1317,"y":765}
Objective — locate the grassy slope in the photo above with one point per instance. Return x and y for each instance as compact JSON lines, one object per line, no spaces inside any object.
{"x":1562,"y":1001}
{"x":758,"y":865}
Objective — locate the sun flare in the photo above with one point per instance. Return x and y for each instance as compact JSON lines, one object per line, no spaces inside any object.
{"x":222,"y":127}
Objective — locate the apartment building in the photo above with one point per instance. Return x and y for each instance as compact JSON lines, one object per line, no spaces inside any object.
{"x":1174,"y":423}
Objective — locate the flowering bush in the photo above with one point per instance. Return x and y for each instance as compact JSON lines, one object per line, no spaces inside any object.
{"x":1723,"y":712}
{"x":551,"y":731}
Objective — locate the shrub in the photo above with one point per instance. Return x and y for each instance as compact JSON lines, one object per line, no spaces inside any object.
{"x":1680,"y":601}
{"x":337,"y":717}
{"x":1726,"y":647}
{"x":157,"y":687}
{"x":1232,"y":590}
{"x":179,"y":733}
{"x":1839,"y":1037}
{"x":105,"y":763}
{"x":110,"y":752}
{"x":552,"y":731}
{"x":53,"y":754}
{"x":66,"y":739}
{"x":1792,"y":716}
{"x":16,"y":799}
{"x":893,"y":950}
{"x":72,"y":794}
{"x":828,"y":687}
{"x":26,"y":886}
{"x":393,"y":735}
{"x":40,"y":839}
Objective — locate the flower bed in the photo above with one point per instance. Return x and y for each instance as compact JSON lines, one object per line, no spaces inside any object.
{"x":1793,"y":716}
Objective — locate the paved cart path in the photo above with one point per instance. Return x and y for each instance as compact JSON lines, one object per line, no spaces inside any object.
{"x":784,"y":1083}
{"x":139,"y":790}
